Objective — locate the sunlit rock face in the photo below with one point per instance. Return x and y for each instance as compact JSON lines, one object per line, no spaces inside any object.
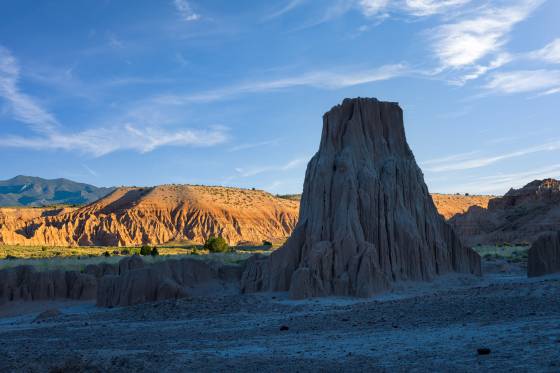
{"x":366,"y":217}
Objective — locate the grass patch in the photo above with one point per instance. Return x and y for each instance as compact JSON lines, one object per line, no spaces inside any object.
{"x":510,"y":253}
{"x":77,"y":258}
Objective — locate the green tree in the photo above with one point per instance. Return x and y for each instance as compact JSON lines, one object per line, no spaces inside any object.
{"x":145,"y":250}
{"x":216,"y":245}
{"x":154,"y":252}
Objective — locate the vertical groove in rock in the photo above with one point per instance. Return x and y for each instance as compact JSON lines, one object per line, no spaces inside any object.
{"x":366,"y":217}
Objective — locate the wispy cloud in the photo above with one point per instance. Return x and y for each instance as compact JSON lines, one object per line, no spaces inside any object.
{"x":24,"y":108}
{"x":373,"y":7}
{"x":139,"y":129}
{"x":288,"y":7}
{"x":501,"y":183}
{"x":423,"y":8}
{"x":550,"y":53}
{"x":524,"y":81}
{"x":465,"y":162}
{"x":253,"y":171}
{"x":186,"y":11}
{"x":254,"y":145}
{"x":317,"y":79}
{"x":472,"y":38}
{"x":89,"y":170}
{"x":101,"y":141}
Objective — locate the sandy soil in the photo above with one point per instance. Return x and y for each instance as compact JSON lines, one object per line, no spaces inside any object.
{"x":418,"y":327}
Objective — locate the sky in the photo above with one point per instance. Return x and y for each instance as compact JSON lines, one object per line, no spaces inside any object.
{"x":221,"y":92}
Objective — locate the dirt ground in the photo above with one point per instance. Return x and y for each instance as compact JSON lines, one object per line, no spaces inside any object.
{"x":436,"y":326}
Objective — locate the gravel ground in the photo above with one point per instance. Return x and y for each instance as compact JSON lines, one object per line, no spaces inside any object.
{"x":418,"y":327}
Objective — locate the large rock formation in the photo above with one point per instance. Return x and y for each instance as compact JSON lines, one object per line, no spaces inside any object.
{"x":544,"y":255}
{"x":519,"y":217}
{"x":366,"y":217}
{"x":135,"y":216}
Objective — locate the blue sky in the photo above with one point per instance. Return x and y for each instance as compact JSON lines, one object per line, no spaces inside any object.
{"x":145,"y":92}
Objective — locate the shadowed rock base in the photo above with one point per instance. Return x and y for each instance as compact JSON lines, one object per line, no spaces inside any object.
{"x":544,"y":255}
{"x":366,"y":218}
{"x":130,"y":282}
{"x":170,"y":279}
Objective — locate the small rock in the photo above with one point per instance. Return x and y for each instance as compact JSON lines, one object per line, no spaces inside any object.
{"x":484,"y":351}
{"x":46,"y":315}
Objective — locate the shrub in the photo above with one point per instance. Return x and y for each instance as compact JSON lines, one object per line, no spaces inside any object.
{"x":267,"y":243}
{"x":106,"y":254}
{"x":125,"y":252}
{"x":154,"y":252}
{"x":216,"y":245}
{"x":145,"y":250}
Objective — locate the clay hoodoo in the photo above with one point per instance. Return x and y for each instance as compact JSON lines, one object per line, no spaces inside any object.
{"x":366,"y":218}
{"x":544,"y":255}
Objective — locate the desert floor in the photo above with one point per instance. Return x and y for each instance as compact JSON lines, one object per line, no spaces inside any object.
{"x":436,"y":326}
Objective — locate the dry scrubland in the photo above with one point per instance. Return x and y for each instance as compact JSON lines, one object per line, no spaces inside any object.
{"x":77,"y":258}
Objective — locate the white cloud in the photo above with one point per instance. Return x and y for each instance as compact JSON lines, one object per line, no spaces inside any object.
{"x":550,"y":53}
{"x":479,"y":70}
{"x":373,"y":7}
{"x":24,"y":108}
{"x":469,"y":40}
{"x":422,"y":8}
{"x":140,"y":129}
{"x":185,"y":10}
{"x":290,"y":5}
{"x":317,"y":79}
{"x":465,"y":162}
{"x":523,"y":81}
{"x":253,"y":171}
{"x":101,"y":141}
{"x":501,"y":183}
{"x":254,"y":145}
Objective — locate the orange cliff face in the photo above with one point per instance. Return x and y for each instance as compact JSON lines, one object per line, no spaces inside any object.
{"x":135,"y":216}
{"x":449,"y":205}
{"x":167,"y":213}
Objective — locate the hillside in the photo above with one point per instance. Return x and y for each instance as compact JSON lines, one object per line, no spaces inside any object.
{"x":450,"y":205}
{"x":35,"y":191}
{"x":520,"y":216}
{"x":134,"y":216}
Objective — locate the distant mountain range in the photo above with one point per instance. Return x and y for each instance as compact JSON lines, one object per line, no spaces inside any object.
{"x":35,"y":191}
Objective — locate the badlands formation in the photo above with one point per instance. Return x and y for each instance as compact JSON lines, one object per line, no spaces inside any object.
{"x":136,"y":216}
{"x":519,"y":217}
{"x":366,"y":217}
